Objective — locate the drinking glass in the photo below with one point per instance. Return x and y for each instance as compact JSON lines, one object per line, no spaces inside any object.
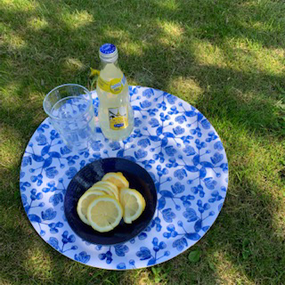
{"x":71,"y":113}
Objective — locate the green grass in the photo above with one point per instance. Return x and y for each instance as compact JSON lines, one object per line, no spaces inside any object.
{"x":225,"y":57}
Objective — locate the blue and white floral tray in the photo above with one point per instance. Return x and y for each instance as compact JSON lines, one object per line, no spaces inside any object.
{"x":173,"y":141}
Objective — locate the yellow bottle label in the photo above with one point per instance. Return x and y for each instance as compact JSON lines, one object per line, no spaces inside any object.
{"x":118,"y":118}
{"x":94,"y":72}
{"x":115,"y":86}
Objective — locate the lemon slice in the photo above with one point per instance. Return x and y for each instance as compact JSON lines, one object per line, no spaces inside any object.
{"x":117,"y":179}
{"x":104,"y":189}
{"x":133,"y":203}
{"x":84,"y":201}
{"x":106,"y":184}
{"x":109,"y":184}
{"x":104,"y":213}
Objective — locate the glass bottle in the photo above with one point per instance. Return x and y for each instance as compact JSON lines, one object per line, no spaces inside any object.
{"x":116,"y":117}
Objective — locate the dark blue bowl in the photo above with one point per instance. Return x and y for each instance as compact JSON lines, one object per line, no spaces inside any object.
{"x":138,"y":178}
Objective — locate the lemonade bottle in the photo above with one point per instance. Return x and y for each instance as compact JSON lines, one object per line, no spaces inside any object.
{"x":116,"y":116}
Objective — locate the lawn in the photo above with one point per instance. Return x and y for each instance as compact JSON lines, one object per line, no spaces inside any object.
{"x":225,"y":57}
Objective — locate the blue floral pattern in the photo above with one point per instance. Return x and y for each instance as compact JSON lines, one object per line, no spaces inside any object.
{"x":173,"y":141}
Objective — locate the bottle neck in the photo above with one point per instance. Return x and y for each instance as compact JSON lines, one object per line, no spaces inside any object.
{"x":104,"y":64}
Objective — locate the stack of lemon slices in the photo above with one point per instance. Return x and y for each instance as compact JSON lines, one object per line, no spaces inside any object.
{"x":108,"y":201}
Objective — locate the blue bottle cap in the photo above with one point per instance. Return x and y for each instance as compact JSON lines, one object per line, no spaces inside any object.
{"x":108,"y":53}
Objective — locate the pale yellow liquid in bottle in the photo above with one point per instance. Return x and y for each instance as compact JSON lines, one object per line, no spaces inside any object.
{"x":109,"y":100}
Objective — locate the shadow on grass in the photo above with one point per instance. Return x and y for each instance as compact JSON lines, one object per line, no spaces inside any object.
{"x":251,"y":241}
{"x":45,"y":47}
